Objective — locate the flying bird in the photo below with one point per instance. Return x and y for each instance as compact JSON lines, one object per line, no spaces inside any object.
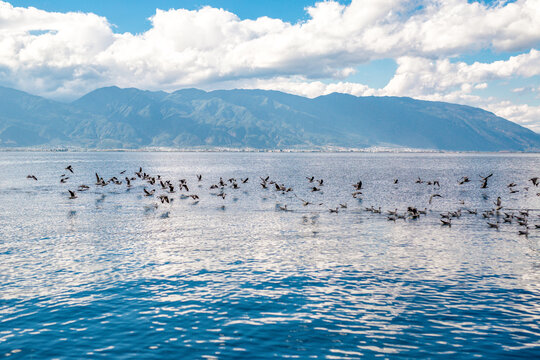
{"x":485,"y":180}
{"x":433,"y":196}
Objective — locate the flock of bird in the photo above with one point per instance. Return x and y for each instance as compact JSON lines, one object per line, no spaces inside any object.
{"x":163,"y":189}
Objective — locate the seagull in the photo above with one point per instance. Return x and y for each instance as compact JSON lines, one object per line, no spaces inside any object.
{"x":69,"y":168}
{"x":535,"y":181}
{"x":72,"y":194}
{"x":31,"y":177}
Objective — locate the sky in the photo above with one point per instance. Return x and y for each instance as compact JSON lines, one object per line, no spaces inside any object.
{"x":477,"y":53}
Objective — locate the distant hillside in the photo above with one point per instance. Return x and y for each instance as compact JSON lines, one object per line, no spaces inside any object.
{"x":130,"y":118}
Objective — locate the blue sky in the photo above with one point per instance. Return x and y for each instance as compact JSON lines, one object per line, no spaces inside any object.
{"x":477,"y":53}
{"x":132,"y":15}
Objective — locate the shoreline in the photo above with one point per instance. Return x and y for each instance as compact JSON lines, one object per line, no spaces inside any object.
{"x":377,"y":150}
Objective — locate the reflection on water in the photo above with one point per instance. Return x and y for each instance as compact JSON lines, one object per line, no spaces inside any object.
{"x":114,"y":273}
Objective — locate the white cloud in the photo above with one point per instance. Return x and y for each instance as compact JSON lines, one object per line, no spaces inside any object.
{"x":420,"y":76}
{"x":67,"y":54}
{"x":522,"y":114}
{"x":301,"y":86}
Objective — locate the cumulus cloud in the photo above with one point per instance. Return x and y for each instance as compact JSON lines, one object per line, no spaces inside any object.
{"x":522,"y":114}
{"x":64,"y":55}
{"x":419,"y":76}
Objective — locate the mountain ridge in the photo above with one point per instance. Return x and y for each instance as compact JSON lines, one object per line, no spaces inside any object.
{"x":130,"y":118}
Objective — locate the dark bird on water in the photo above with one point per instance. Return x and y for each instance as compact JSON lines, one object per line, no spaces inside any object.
{"x":70,"y":169}
{"x":31,"y":177}
{"x":446,"y":222}
{"x":523,"y":232}
{"x":72,"y":194}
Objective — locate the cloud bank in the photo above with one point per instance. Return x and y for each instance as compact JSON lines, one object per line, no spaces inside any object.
{"x":63,"y":55}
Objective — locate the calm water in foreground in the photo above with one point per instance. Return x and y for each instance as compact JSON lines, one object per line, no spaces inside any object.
{"x":110,"y":275}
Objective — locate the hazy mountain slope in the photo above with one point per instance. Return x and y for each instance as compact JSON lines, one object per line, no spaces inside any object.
{"x":130,"y":118}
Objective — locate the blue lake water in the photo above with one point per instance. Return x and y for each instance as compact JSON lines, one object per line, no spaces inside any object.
{"x":116,"y":274}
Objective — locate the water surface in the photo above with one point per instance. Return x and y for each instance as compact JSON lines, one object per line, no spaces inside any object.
{"x":109,"y":274}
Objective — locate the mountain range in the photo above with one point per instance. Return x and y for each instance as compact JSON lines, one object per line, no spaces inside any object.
{"x":115,"y":118}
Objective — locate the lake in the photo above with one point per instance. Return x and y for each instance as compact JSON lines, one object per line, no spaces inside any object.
{"x":113,"y":273}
